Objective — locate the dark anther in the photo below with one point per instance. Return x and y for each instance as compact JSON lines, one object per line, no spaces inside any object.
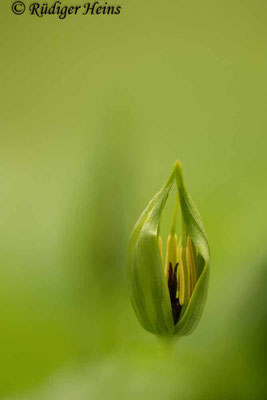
{"x":172,"y":285}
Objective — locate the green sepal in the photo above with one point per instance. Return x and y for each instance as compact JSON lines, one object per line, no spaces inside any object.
{"x":148,"y":286}
{"x":195,"y":229}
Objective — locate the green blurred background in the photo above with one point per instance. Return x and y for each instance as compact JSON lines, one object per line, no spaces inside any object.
{"x":94,"y":112}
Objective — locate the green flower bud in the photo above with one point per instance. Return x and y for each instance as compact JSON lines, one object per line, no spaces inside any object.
{"x":169,"y":300}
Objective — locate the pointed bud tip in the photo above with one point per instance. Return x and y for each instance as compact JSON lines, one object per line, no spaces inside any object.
{"x":179,"y":170}
{"x":178,"y":164}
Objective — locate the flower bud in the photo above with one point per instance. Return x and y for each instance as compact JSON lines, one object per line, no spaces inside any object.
{"x":170,"y":300}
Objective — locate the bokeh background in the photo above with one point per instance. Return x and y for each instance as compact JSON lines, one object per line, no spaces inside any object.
{"x":94,"y":112}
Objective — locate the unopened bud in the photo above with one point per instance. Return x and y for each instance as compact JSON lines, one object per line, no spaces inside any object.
{"x":169,"y":302}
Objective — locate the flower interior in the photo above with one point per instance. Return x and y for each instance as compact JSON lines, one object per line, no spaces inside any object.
{"x":181,"y":271}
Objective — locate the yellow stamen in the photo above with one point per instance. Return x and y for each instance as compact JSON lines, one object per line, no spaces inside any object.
{"x":181,"y":275}
{"x":178,"y":261}
{"x":178,"y":248}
